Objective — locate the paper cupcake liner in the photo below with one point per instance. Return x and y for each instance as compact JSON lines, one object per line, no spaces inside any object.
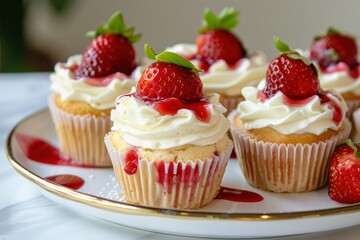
{"x":187,"y":184}
{"x":352,"y":105}
{"x":81,"y":137}
{"x":286,"y":168}
{"x":230,"y":103}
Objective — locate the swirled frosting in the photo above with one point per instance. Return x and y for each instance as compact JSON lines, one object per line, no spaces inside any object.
{"x":341,"y":81}
{"x":310,"y":117}
{"x":141,"y":125}
{"x":224,"y":79}
{"x":98,"y":97}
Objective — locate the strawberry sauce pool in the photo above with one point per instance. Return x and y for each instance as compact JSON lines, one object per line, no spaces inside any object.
{"x":41,"y":151}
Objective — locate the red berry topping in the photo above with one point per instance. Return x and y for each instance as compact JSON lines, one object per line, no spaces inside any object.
{"x":334,"y":47}
{"x":344,"y":174}
{"x":170,"y":76}
{"x":292,"y":74}
{"x":111,"y":50}
{"x":163,"y":80}
{"x":216,"y":40}
{"x":131,"y":162}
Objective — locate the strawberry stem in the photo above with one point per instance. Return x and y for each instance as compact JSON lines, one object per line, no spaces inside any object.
{"x":285,"y":49}
{"x":169,"y":57}
{"x":353,"y":146}
{"x":115,"y":25}
{"x":227,"y":19}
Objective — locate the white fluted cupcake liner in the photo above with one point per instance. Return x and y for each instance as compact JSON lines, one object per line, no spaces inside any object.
{"x":81,"y":137}
{"x":230,"y":103}
{"x":186,"y":184}
{"x":286,"y":168}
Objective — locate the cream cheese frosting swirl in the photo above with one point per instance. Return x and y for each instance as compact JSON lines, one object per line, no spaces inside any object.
{"x":310,"y":117}
{"x":98,"y":97}
{"x":141,"y":125}
{"x":224,"y":79}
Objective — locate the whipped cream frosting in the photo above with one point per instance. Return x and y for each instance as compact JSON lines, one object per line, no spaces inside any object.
{"x":98,"y":97}
{"x":310,"y":117}
{"x":224,"y":79}
{"x":141,"y":125}
{"x":340,"y":81}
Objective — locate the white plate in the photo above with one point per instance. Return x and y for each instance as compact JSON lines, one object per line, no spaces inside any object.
{"x":276,"y":215}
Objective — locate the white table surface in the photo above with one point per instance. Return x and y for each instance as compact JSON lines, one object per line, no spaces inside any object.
{"x":26,"y":214}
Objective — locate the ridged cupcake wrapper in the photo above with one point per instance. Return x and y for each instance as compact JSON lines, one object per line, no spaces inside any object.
{"x":81,"y":137}
{"x":185,"y":184}
{"x":230,"y":103}
{"x":285,"y":168}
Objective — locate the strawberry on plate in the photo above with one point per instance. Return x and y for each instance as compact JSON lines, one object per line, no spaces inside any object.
{"x":334,"y":47}
{"x":110,"y":51}
{"x":217,"y":41}
{"x":344,"y":173}
{"x":292,"y":74}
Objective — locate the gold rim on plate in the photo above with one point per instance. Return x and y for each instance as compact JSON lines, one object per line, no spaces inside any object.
{"x":126,"y":208}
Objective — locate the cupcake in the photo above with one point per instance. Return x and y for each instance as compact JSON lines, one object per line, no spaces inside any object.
{"x":84,"y":90}
{"x":227,"y":68}
{"x":335,"y":54}
{"x":168,"y":142}
{"x":285,"y":134}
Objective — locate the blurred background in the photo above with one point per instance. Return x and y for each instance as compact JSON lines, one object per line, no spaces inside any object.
{"x":35,"y":34}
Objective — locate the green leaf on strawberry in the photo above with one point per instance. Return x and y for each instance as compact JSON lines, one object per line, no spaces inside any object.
{"x":227,"y":19}
{"x":285,"y":49}
{"x":352,"y":145}
{"x":115,"y":25}
{"x":169,"y":57}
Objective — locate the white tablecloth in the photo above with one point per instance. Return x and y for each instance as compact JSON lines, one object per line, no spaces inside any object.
{"x":26,"y":214}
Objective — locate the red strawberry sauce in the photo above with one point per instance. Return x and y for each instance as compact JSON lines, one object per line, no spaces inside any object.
{"x":41,"y":151}
{"x":97,"y":82}
{"x":237,"y":195}
{"x":342,"y":67}
{"x":337,"y":114}
{"x":171,"y":106}
{"x":131,"y":161}
{"x":67,"y":180}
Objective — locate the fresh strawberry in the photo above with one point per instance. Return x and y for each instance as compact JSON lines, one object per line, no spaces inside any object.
{"x":334,"y":47}
{"x":344,"y":174}
{"x":111,"y":50}
{"x":216,"y":41}
{"x":293,"y":75}
{"x":169,"y":76}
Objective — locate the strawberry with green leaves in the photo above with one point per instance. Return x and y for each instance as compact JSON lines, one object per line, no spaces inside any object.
{"x":169,"y":76}
{"x":334,"y":47}
{"x":344,"y":173}
{"x":110,"y":51}
{"x":292,"y":74}
{"x":217,"y":41}
{"x":172,"y":83}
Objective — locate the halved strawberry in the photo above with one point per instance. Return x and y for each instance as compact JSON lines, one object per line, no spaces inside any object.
{"x":334,"y":47}
{"x":292,"y":74}
{"x":111,"y":50}
{"x":216,"y":41}
{"x":344,"y":174}
{"x":170,"y":76}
